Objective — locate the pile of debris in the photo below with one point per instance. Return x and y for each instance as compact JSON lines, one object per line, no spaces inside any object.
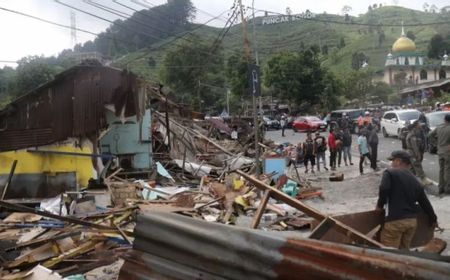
{"x":204,"y":177}
{"x":77,"y":232}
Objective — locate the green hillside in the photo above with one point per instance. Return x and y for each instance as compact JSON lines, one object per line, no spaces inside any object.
{"x":320,"y":31}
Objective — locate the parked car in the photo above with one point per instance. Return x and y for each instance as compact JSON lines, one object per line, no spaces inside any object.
{"x":271,"y":123}
{"x":434,"y":120}
{"x":309,"y":123}
{"x":393,"y":122}
{"x":353,"y":115}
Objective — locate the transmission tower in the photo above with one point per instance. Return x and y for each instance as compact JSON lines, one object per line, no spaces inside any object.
{"x":73,"y":28}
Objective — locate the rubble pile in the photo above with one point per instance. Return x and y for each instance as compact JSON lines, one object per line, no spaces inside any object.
{"x":76,"y":233}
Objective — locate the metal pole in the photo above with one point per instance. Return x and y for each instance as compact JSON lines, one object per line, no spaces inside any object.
{"x":255,"y":115}
{"x":255,"y":48}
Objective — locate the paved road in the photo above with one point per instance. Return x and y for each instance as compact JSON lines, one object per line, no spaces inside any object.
{"x":385,"y":147}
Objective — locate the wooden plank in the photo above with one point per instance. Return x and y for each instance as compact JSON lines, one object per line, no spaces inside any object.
{"x":322,"y":229}
{"x":261,"y":208}
{"x":277,"y":194}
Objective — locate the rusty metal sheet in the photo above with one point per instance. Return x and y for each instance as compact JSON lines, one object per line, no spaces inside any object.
{"x":201,"y":250}
{"x":73,"y":104}
{"x":367,"y":221}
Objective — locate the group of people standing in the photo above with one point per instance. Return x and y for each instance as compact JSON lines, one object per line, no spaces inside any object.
{"x":339,"y":142}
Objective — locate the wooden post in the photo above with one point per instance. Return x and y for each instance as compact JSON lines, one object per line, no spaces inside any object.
{"x":8,"y":182}
{"x":261,"y":208}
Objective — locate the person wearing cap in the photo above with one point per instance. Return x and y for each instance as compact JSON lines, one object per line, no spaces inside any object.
{"x":344,"y":122}
{"x":441,"y":136}
{"x":321,"y":148}
{"x":367,"y":118}
{"x":416,"y":148}
{"x":401,"y":190}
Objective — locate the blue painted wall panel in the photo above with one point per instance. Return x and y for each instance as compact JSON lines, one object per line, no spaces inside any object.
{"x":129,"y":138}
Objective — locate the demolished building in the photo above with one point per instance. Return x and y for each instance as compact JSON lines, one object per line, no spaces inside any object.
{"x":53,"y":131}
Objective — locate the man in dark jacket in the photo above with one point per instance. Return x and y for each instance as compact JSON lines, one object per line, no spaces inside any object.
{"x":347,"y":144}
{"x":372,"y":140}
{"x":400,"y":190}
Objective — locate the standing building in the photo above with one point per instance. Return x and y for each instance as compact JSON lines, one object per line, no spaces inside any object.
{"x":406,"y":66}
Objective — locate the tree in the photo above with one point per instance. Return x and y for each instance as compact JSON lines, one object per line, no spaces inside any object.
{"x":7,"y":77}
{"x":32,"y":71}
{"x":438,"y":46}
{"x":190,"y":74}
{"x":411,"y":35}
{"x":346,"y":18}
{"x":375,"y":6}
{"x":370,"y":8}
{"x":346,"y":9}
{"x":297,"y":77}
{"x":288,"y":11}
{"x":381,"y":38}
{"x":425,"y":7}
{"x":325,"y":49}
{"x":143,"y":28}
{"x":342,"y":43}
{"x":357,"y":84}
{"x":358,"y":59}
{"x":433,"y":8}
{"x":381,"y":90}
{"x":236,"y":73}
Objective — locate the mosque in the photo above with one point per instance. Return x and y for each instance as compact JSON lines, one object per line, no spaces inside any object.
{"x":408,"y":67}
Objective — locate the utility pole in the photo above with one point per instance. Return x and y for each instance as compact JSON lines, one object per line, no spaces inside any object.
{"x":255,"y":47}
{"x":255,"y":115}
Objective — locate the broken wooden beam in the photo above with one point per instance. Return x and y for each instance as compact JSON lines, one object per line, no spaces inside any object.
{"x":261,"y":208}
{"x":339,"y":226}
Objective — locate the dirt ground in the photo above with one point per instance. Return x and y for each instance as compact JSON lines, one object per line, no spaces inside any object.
{"x":360,"y":193}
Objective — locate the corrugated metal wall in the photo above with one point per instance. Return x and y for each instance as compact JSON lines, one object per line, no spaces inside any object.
{"x":171,"y":246}
{"x":71,"y":105}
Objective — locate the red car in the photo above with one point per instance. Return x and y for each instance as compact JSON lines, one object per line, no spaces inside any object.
{"x":309,"y":123}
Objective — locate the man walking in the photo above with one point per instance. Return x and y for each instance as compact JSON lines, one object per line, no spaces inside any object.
{"x":400,"y":190}
{"x":441,"y":136}
{"x":333,"y":151}
{"x":363,"y":150}
{"x":283,"y":125}
{"x":373,"y":143}
{"x":347,"y":144}
{"x":416,"y":148}
{"x":321,"y":147}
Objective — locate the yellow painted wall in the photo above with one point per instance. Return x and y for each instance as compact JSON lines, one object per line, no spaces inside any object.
{"x":35,"y":163}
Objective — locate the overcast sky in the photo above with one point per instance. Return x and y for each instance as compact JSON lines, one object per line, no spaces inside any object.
{"x":22,"y":36}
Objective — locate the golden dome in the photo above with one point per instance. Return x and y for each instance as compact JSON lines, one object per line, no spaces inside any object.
{"x":404,"y":44}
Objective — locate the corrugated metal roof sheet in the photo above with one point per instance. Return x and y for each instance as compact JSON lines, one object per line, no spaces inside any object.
{"x":171,"y":246}
{"x":71,"y":105}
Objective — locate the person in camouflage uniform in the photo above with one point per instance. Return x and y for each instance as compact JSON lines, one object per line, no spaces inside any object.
{"x":415,"y":146}
{"x":441,"y":136}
